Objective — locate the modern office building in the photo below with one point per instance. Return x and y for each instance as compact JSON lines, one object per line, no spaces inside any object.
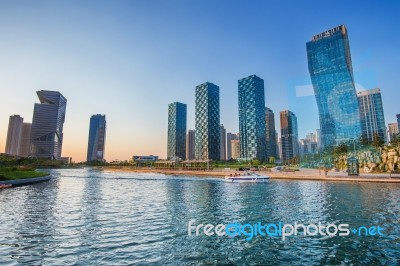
{"x":97,"y":138}
{"x":177,"y":130}
{"x":190,"y":144}
{"x":330,"y":67}
{"x":289,"y":135}
{"x":223,"y":143}
{"x":25,"y":144}
{"x":270,"y":132}
{"x":393,"y":130}
{"x":207,"y":121}
{"x":252,"y":118}
{"x":371,"y":114}
{"x":229,"y":137}
{"x":235,"y":144}
{"x":143,"y":158}
{"x":15,"y":124}
{"x":47,"y":125}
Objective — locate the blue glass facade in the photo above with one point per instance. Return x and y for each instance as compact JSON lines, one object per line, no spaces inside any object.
{"x":177,"y":130}
{"x":371,"y":114}
{"x":252,"y":118}
{"x":207,"y":146}
{"x":97,"y":138}
{"x":330,"y":67}
{"x":270,"y":132}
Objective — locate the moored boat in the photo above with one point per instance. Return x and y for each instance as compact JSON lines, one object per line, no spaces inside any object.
{"x":246,"y":177}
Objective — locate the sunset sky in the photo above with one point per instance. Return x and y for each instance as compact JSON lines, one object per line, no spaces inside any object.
{"x":130,"y":59}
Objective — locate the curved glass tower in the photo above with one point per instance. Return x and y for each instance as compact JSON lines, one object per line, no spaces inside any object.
{"x":331,"y":71}
{"x":97,"y":138}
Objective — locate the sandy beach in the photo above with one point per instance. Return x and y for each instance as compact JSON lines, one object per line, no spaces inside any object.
{"x":303,"y":174}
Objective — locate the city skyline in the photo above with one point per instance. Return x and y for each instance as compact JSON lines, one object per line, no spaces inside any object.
{"x":69,"y":62}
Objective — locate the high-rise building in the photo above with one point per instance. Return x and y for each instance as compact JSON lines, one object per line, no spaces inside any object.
{"x":330,"y":67}
{"x":14,"y":134}
{"x":289,"y":135}
{"x":252,"y":118}
{"x":235,"y":144}
{"x":47,"y":125}
{"x":229,"y":137}
{"x":97,"y":138}
{"x":190,"y":145}
{"x":371,"y":114}
{"x":393,"y":130}
{"x":177,"y":130}
{"x":207,"y":122}
{"x":25,"y":144}
{"x":398,"y":121}
{"x":222,"y":149}
{"x":270,"y":132}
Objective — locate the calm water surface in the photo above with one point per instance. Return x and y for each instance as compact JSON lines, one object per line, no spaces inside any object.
{"x":88,"y":217}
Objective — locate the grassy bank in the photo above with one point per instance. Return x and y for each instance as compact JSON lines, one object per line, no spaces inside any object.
{"x":13,"y":173}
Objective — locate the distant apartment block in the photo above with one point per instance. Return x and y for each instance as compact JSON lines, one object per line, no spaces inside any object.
{"x":372,"y":114}
{"x":177,"y":113}
{"x":15,"y":124}
{"x":393,"y":130}
{"x":47,"y":125}
{"x":229,"y":137}
{"x":190,"y":144}
{"x":25,"y":144}
{"x":207,"y":121}
{"x":223,"y":143}
{"x":270,"y":132}
{"x":235,"y":144}
{"x":97,"y":138}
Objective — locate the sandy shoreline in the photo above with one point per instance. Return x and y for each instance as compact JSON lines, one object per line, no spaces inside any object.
{"x":300,"y":175}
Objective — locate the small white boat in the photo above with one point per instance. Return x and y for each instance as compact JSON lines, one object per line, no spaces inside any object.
{"x":246,"y":177}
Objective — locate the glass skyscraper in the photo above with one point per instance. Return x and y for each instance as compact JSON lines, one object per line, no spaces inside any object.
{"x":270,"y":132}
{"x":177,"y":130}
{"x":331,"y":71}
{"x":15,"y":124}
{"x":190,"y":144}
{"x":97,"y":138}
{"x":289,"y":135}
{"x":252,"y":118}
{"x":47,"y":125}
{"x":207,"y":122}
{"x":371,"y":114}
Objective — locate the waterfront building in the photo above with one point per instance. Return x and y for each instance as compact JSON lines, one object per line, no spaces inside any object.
{"x":330,"y":67}
{"x":177,"y":130}
{"x":25,"y":144}
{"x":252,"y":118}
{"x":371,"y":114}
{"x":289,"y":135}
{"x":14,"y":132}
{"x":229,"y":137}
{"x":47,"y":125}
{"x":190,"y":145}
{"x":235,"y":144}
{"x":270,"y":132}
{"x":97,"y":138}
{"x":207,"y":121}
{"x":143,"y":158}
{"x":223,"y":143}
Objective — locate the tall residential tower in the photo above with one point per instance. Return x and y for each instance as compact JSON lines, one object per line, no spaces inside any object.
{"x":270,"y":132}
{"x":177,"y":130}
{"x":289,"y":135}
{"x":15,"y":124}
{"x":252,"y":118}
{"x":207,"y":122}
